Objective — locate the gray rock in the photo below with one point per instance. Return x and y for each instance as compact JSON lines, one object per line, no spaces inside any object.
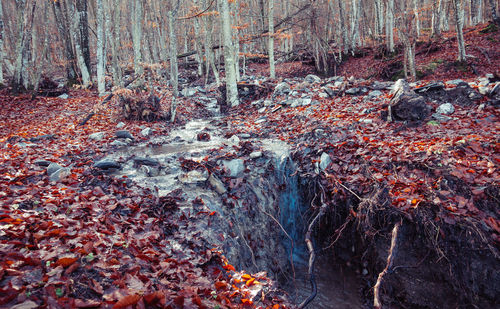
{"x":44,"y":163}
{"x":98,"y":136}
{"x":146,"y":132}
{"x":490,"y":76}
{"x":123,"y":134}
{"x":263,"y":109}
{"x":484,"y":90}
{"x":236,"y":167}
{"x":52,"y":168}
{"x":406,"y":104}
{"x":454,"y":82}
{"x":63,"y":96}
{"x":323,"y":95}
{"x":268,"y":102}
{"x":188,"y":92}
{"x":353,"y":91}
{"x":118,"y":143}
{"x":261,"y":120}
{"x":441,"y":117}
{"x":107,"y":164}
{"x":483,"y":81}
{"x":311,"y":78}
{"x":375,"y":93}
{"x":194,"y":177}
{"x":60,"y":174}
{"x":256,"y":154}
{"x":217,"y":184}
{"x":337,"y":84}
{"x":367,"y":121}
{"x":234,"y":139}
{"x":331,"y":93}
{"x":281,"y":88}
{"x":325,"y":160}
{"x":120,"y":125}
{"x":245,"y":135}
{"x":149,"y":171}
{"x":445,"y":109}
{"x":146,"y":161}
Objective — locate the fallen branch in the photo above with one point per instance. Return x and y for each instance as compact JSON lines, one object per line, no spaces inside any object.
{"x":390,"y":258}
{"x":312,"y":258}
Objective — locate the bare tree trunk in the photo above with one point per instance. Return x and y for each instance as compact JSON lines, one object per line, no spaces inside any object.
{"x":1,"y":43}
{"x":494,"y":15}
{"x":75,"y":29}
{"x":174,"y":75}
{"x":231,"y":86}
{"x":137,"y":36}
{"x":101,"y":85}
{"x":272,"y":72}
{"x":459,"y":19}
{"x":343,"y":29}
{"x":83,"y":27}
{"x":437,"y":11}
{"x":62,"y":23}
{"x":117,"y":74}
{"x":389,"y":28}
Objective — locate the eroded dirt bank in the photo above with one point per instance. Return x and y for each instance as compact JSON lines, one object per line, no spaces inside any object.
{"x":190,"y":216}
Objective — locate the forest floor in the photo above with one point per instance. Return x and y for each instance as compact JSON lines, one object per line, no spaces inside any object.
{"x":87,"y":239}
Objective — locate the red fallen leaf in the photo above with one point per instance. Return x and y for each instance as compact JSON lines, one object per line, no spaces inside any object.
{"x":197,"y":301}
{"x":220,"y":285}
{"x":71,"y":269}
{"x":96,"y":287}
{"x":229,"y":267}
{"x":179,"y":301}
{"x":156,"y":297}
{"x":87,"y":303}
{"x":66,"y":261}
{"x":126,"y":301}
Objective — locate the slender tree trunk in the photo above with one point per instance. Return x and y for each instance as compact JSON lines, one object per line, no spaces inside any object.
{"x":101,"y":84}
{"x":436,"y":18}
{"x":137,"y":36}
{"x":1,"y":43}
{"x":272,"y":72}
{"x":231,"y":86}
{"x":75,"y":31}
{"x":174,"y":75}
{"x":83,"y":27}
{"x":459,"y":19}
{"x":389,"y":29}
{"x":494,"y":16}
{"x":62,"y":23}
{"x":117,"y":74}
{"x":343,"y":29}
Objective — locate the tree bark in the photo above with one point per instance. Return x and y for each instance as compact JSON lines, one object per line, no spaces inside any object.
{"x":459,"y":20}
{"x":231,"y":86}
{"x":272,"y":72}
{"x":83,"y":27}
{"x":174,"y":75}
{"x":1,"y":43}
{"x":389,"y":30}
{"x":137,"y":36}
{"x":75,"y":31}
{"x":101,"y":85}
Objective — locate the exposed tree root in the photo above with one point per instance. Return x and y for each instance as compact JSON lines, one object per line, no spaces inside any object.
{"x":312,"y":257}
{"x":392,"y":252}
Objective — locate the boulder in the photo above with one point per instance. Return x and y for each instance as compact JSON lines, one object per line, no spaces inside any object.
{"x":52,"y":168}
{"x":236,"y":167}
{"x":194,"y":176}
{"x":123,"y":134}
{"x":325,"y":160}
{"x":120,"y":125}
{"x":430,"y":87}
{"x":311,"y":78}
{"x":146,"y":132}
{"x":118,"y":143}
{"x":146,"y":161}
{"x":60,"y":174}
{"x":98,"y":136}
{"x":281,"y":89}
{"x":107,"y":164}
{"x":256,"y":154}
{"x":217,"y":184}
{"x":445,"y":109}
{"x":406,"y":104}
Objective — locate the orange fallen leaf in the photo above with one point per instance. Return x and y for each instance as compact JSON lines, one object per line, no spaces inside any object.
{"x":66,"y":261}
{"x":126,"y":301}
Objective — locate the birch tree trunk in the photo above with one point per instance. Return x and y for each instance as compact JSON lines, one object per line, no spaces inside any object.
{"x":389,"y":28}
{"x":231,"y":86}
{"x":459,"y":20}
{"x":101,"y":86}
{"x":137,"y":36}
{"x":174,"y":70}
{"x":1,"y":43}
{"x":22,"y":20}
{"x":272,"y":72}
{"x":436,"y":18}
